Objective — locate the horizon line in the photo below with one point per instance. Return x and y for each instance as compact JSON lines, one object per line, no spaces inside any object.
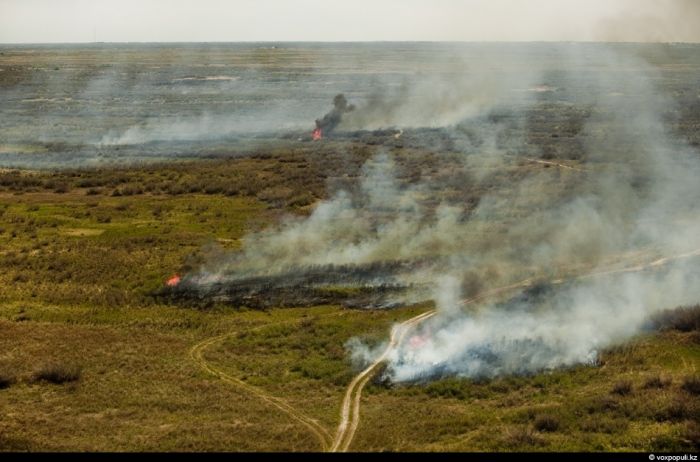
{"x":354,"y":41}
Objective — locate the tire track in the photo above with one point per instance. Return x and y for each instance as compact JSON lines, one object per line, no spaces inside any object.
{"x":196,"y":353}
{"x":556,"y":164}
{"x":350,"y":409}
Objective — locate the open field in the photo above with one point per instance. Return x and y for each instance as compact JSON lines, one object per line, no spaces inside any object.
{"x":98,"y":354}
{"x":110,"y":104}
{"x":78,"y":271}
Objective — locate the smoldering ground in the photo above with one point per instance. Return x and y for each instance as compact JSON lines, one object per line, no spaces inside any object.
{"x":442,"y":221}
{"x":484,"y":217}
{"x":82,"y":105}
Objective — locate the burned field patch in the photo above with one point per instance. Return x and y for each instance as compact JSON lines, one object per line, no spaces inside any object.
{"x":368,"y":286}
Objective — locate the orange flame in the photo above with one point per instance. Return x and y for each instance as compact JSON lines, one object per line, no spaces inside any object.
{"x":173,"y":281}
{"x":317,"y":134}
{"x":417,"y":341}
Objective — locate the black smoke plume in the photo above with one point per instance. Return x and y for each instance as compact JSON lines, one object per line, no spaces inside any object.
{"x":331,"y":120}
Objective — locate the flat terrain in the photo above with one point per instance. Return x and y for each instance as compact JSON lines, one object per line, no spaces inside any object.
{"x":111,"y":104}
{"x":152,"y":178}
{"x":79,"y":268}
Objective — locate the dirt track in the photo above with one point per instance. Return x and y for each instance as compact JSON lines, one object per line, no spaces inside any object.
{"x":197,"y":355}
{"x":556,"y":164}
{"x":350,"y":408}
{"x":349,"y":421}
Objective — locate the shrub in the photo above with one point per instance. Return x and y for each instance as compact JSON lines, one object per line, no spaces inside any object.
{"x":546,"y":423}
{"x":604,"y":424}
{"x":657,"y":381}
{"x":691,"y":384}
{"x":677,"y":410}
{"x":522,"y":436}
{"x":57,"y":373}
{"x":684,"y":319}
{"x":622,"y":388}
{"x":6,"y":380}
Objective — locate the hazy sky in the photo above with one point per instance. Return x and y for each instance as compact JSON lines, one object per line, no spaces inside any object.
{"x":39,"y":21}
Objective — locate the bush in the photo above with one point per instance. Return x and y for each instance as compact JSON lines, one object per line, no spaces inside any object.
{"x":692,"y":385}
{"x":677,"y":410}
{"x":546,"y":423}
{"x":57,"y":373}
{"x":604,"y":424}
{"x":6,"y":380}
{"x":657,"y":381}
{"x":692,"y":434}
{"x":522,"y":436}
{"x":622,"y":388}
{"x":684,"y":319}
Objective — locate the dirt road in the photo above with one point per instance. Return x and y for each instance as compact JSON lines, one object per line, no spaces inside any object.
{"x":350,"y":410}
{"x":197,"y":355}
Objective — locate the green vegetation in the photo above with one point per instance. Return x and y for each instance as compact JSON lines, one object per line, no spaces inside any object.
{"x":92,"y":361}
{"x":606,"y":408}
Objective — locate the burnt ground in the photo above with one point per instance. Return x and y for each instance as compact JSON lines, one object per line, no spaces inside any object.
{"x":173,"y":110}
{"x":366,"y":286}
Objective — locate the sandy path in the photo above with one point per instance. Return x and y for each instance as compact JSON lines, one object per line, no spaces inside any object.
{"x":350,"y":410}
{"x":196,"y":353}
{"x":556,"y":164}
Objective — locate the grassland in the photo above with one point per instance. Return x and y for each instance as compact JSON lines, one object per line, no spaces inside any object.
{"x":90,"y":360}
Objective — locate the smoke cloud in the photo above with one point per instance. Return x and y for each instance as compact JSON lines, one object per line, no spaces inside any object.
{"x":331,"y":120}
{"x":574,"y":242}
{"x":651,"y":21}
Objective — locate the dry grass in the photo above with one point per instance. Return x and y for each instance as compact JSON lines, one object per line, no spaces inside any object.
{"x":622,"y":388}
{"x":57,"y":373}
{"x":546,"y":423}
{"x":83,"y":299}
{"x":684,"y":319}
{"x":522,"y":437}
{"x":691,"y":384}
{"x":6,"y":380}
{"x":657,"y":381}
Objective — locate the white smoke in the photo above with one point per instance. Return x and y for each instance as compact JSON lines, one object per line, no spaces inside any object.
{"x":573,"y":321}
{"x":634,"y":198}
{"x":569,"y":328}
